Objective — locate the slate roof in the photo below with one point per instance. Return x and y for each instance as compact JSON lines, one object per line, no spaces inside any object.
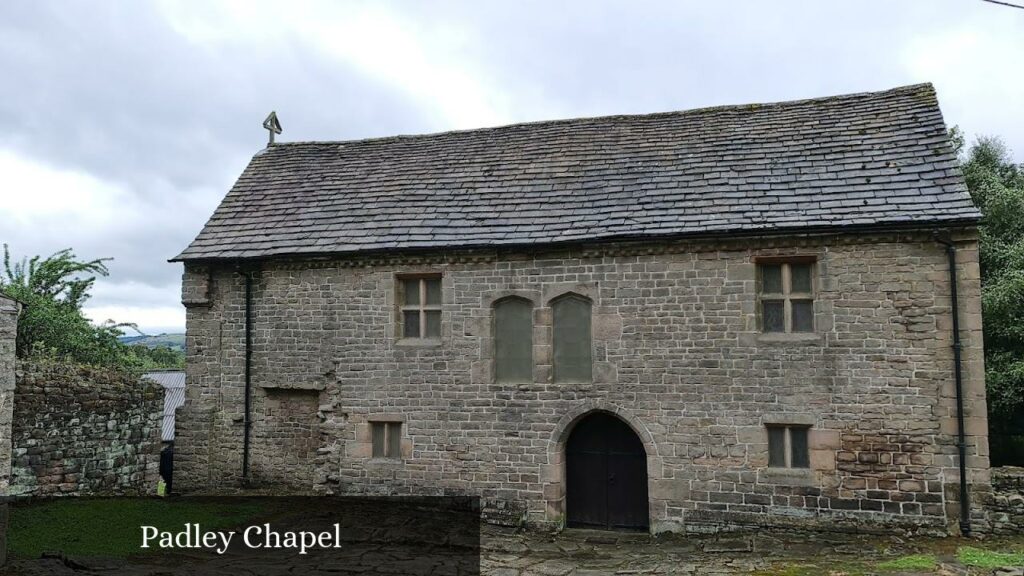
{"x":879,"y":158}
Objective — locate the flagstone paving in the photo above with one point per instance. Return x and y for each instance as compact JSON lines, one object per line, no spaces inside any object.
{"x":585,"y":553}
{"x":506,"y":552}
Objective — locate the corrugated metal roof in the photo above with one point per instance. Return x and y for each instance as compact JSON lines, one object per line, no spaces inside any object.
{"x":174,"y":397}
{"x":167,"y":378}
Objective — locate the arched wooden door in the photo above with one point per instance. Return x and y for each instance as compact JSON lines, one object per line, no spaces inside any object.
{"x":606,"y":475}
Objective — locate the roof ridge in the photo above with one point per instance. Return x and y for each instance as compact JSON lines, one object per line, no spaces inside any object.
{"x":908,"y":89}
{"x":838,"y":162}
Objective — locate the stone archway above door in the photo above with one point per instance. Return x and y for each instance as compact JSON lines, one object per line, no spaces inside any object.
{"x":553,"y":473}
{"x":606,"y":475}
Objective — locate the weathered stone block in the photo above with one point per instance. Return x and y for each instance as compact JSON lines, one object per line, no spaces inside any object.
{"x":677,"y":356}
{"x":102,"y":421}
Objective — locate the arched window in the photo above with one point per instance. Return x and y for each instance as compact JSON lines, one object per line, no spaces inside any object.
{"x":513,"y":340}
{"x":571,"y":339}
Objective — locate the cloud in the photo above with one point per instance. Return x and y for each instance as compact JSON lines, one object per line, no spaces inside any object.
{"x":124,"y":123}
{"x":150,"y":319}
{"x":976,"y":68}
{"x":154,"y":308}
{"x":50,"y":208}
{"x":49,"y":197}
{"x":432,"y":65}
{"x":120,"y":139}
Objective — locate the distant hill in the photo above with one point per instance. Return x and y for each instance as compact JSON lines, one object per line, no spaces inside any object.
{"x":172,"y":341}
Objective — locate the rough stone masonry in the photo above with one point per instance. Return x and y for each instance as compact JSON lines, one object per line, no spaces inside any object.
{"x":70,"y":430}
{"x":83,"y":431}
{"x":676,"y":355}
{"x":9,"y":310}
{"x":662,"y":229}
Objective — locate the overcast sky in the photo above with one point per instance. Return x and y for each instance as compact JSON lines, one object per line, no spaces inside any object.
{"x":123,"y":124}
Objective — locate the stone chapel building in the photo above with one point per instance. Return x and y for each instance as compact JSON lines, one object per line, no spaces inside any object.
{"x":730,"y":316}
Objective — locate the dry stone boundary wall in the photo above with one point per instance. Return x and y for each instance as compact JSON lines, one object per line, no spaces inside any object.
{"x":79,"y":431}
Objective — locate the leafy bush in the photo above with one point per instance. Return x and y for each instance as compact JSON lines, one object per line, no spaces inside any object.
{"x":997,"y":186}
{"x":158,"y":357}
{"x":52,"y":291}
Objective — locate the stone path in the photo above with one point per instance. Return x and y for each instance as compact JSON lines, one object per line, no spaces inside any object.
{"x":506,"y":552}
{"x":589,"y":553}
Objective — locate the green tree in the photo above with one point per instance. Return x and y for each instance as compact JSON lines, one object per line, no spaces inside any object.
{"x":53,"y":291}
{"x":996,"y":184}
{"x":156,"y":358}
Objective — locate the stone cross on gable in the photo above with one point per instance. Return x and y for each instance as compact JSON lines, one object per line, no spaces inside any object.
{"x":273,"y":126}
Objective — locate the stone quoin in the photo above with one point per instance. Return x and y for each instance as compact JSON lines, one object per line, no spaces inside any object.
{"x":735,"y":316}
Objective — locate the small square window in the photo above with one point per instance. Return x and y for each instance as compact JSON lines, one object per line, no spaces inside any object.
{"x":774,"y":315}
{"x":432,"y":290}
{"x":787,"y":447}
{"x":394,"y":444}
{"x":800,"y":278}
{"x":420,"y":309}
{"x":412,"y":292}
{"x":786,"y":294}
{"x":411,"y":324}
{"x":799,"y":456}
{"x":803,"y":315}
{"x":433,"y":324}
{"x":777,"y":447}
{"x":771,"y":279}
{"x":387,"y":439}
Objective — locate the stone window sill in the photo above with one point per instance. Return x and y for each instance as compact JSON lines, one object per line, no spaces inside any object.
{"x":531,"y":386}
{"x":304,"y":386}
{"x":798,"y":338}
{"x":418,"y":342}
{"x":789,"y":419}
{"x":787,"y":476}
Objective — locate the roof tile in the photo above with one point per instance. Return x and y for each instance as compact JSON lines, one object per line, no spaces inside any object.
{"x":870,"y":158}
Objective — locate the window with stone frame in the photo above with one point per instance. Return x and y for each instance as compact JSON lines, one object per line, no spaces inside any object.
{"x":387,"y":439}
{"x":419,"y":306}
{"x":787,"y":446}
{"x":785,"y":290}
{"x":513,"y":340}
{"x":571,"y":339}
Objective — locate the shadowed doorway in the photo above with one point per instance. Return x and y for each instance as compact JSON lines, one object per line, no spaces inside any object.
{"x":606,"y":475}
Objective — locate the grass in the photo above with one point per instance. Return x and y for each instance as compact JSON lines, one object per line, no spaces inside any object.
{"x":912,"y":562}
{"x":112,"y":527}
{"x":790,"y":570}
{"x":979,"y":558}
{"x":808,"y":569}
